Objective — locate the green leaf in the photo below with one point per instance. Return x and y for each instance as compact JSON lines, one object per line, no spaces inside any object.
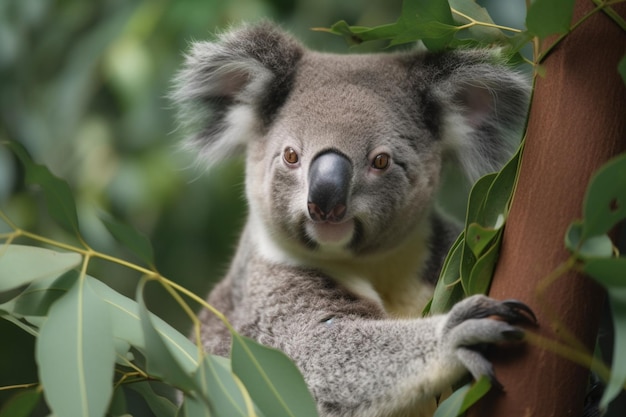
{"x":592,"y":247}
{"x":133,"y":240}
{"x":118,"y":405}
{"x":21,"y":265}
{"x":435,"y":35}
{"x":194,"y":407}
{"x":39,"y":296}
{"x":57,"y":192}
{"x":434,"y":15}
{"x":481,"y":33}
{"x":482,"y":270}
{"x":21,"y":404}
{"x":610,"y":273}
{"x":355,"y":35}
{"x":463,"y":398}
{"x":478,"y":195}
{"x":123,"y":312}
{"x":451,"y":407}
{"x":448,"y":290}
{"x":605,"y":200}
{"x":160,"y":360}
{"x":496,"y":204}
{"x":548,"y":17}
{"x":476,"y":392}
{"x":76,"y":355}
{"x":480,"y":238}
{"x":222,"y":390}
{"x":273,"y":381}
{"x":158,"y":404}
{"x":516,"y":42}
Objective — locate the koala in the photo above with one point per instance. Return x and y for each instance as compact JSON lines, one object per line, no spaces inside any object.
{"x":342,"y":244}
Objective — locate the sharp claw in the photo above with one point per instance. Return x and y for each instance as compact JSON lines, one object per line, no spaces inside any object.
{"x":521,"y":311}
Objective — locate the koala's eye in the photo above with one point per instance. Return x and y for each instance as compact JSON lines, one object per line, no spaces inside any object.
{"x":381,"y":161}
{"x":291,"y":156}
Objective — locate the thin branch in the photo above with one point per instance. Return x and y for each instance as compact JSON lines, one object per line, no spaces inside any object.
{"x":474,"y":22}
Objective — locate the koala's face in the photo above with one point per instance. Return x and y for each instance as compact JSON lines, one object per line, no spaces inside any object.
{"x":344,"y":152}
{"x":345,"y":169}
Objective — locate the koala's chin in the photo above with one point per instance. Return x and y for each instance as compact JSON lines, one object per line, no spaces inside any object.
{"x":331,"y":236}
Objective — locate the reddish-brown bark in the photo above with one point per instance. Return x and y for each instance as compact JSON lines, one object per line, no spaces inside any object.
{"x":577,"y":122}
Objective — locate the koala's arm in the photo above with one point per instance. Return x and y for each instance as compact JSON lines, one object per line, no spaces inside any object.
{"x":357,"y":361}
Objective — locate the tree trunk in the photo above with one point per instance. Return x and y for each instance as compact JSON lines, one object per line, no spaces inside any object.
{"x":577,"y":123}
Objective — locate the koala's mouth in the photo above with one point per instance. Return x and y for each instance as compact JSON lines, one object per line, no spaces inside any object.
{"x":331,"y":235}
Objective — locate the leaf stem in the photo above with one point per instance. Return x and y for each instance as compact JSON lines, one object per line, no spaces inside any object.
{"x":474,"y":22}
{"x":89,"y":253}
{"x":20,"y":386}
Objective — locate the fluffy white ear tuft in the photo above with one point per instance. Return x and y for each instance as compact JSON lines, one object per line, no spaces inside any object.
{"x":229,"y":90}
{"x":483,"y":109}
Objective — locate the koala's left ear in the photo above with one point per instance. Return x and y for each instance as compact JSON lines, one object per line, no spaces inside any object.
{"x":483,"y":105}
{"x":229,"y":90}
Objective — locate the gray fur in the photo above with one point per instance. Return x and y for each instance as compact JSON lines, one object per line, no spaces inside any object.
{"x":343,"y":299}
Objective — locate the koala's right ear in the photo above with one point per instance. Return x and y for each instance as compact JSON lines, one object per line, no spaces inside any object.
{"x":229,"y":90}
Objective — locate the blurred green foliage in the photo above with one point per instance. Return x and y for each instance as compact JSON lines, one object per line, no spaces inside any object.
{"x":83,"y":87}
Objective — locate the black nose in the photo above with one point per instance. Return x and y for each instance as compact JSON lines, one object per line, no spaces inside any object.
{"x":329,"y":186}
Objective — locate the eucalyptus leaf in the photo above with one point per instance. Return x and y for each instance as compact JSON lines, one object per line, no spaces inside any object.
{"x":224,"y":393}
{"x":434,"y":15}
{"x":482,"y":33}
{"x":451,"y":406}
{"x":478,"y":196}
{"x":448,"y":290}
{"x":57,"y":192}
{"x":161,"y":362}
{"x":21,"y":265}
{"x":605,"y":200}
{"x":355,"y":35}
{"x":136,"y":242}
{"x":125,"y":318}
{"x":194,"y":407}
{"x":468,"y":260}
{"x":516,"y":42}
{"x":158,"y":404}
{"x":21,"y":404}
{"x":482,"y":271}
{"x":610,"y":273}
{"x":549,"y":17}
{"x":463,"y":398}
{"x":476,"y":392}
{"x":592,"y":247}
{"x":479,"y":238}
{"x":496,"y":203}
{"x":39,"y":296}
{"x":118,"y":405}
{"x":76,"y":355}
{"x":273,"y":381}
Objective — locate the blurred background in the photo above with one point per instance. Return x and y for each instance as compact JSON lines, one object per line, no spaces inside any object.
{"x":83,"y":87}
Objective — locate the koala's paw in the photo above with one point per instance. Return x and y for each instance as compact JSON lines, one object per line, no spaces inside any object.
{"x":478,"y":321}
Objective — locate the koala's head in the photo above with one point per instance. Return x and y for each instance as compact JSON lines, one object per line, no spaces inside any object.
{"x":344,"y":152}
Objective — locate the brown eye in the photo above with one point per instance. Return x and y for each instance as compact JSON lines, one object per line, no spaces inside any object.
{"x":290,"y":156}
{"x":381,"y":161}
